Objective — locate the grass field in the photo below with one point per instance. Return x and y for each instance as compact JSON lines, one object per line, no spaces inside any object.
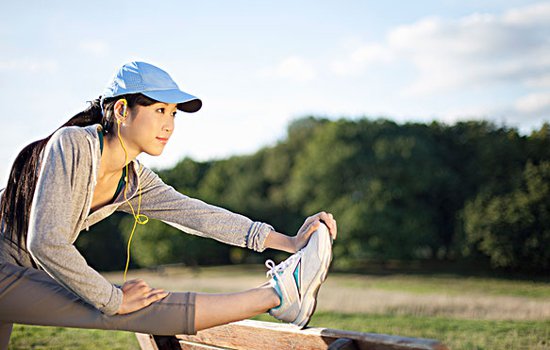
{"x":464,"y":313}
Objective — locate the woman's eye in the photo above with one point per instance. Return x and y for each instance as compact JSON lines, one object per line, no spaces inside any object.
{"x":174,"y":114}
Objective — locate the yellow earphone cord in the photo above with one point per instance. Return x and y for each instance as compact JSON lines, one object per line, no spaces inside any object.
{"x":138,"y":218}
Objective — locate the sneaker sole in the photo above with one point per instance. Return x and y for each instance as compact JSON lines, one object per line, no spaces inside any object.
{"x":323,"y":277}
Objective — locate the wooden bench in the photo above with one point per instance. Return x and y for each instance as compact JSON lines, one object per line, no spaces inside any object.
{"x":257,"y":335}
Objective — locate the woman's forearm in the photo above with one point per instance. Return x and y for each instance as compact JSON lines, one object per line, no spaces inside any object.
{"x":279,"y":241}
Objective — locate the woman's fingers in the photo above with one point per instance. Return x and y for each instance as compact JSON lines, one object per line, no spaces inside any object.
{"x":313,"y":226}
{"x":310,"y":219}
{"x":150,"y":295}
{"x":137,"y":294}
{"x":157,"y":295}
{"x":328,"y":219}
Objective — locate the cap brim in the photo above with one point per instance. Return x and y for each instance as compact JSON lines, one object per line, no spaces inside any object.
{"x":186,"y":102}
{"x":190,"y":106}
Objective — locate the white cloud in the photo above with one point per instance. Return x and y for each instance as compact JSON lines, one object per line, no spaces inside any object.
{"x":536,"y":103}
{"x":475,"y":50}
{"x":469,"y":52}
{"x":293,"y":68}
{"x":97,"y":48}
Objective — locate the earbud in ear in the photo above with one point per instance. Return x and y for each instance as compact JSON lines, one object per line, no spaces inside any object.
{"x":123,"y":111}
{"x":124,"y":107}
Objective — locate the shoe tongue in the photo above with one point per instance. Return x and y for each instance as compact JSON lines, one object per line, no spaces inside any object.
{"x":293,"y":258}
{"x":282,"y":265}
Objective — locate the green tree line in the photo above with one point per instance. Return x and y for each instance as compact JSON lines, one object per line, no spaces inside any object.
{"x":472,"y":191}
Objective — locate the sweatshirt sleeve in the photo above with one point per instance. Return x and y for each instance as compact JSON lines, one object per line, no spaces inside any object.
{"x":58,"y":206}
{"x":162,"y":202}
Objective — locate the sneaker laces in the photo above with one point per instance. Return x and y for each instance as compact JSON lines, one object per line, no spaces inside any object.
{"x":274,"y":269}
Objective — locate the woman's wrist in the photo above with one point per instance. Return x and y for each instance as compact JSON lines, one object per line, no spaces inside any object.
{"x":279,"y":241}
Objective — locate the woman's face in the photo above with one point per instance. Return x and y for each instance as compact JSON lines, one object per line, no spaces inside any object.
{"x":148,"y":128}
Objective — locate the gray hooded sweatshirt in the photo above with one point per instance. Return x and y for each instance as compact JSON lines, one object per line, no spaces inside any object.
{"x":61,"y":209}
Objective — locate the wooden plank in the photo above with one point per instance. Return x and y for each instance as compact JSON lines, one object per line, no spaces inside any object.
{"x":185,"y":345}
{"x":257,"y":335}
{"x":146,"y":341}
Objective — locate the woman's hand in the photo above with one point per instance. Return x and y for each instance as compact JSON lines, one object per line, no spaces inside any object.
{"x":137,"y":294}
{"x":310,"y":225}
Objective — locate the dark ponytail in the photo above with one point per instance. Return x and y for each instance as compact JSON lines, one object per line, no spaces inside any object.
{"x":17,"y":198}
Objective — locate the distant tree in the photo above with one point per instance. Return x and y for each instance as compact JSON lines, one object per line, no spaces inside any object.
{"x":514,"y":229}
{"x":538,"y":144}
{"x":487,"y":157}
{"x":378,"y":179}
{"x":186,"y":175}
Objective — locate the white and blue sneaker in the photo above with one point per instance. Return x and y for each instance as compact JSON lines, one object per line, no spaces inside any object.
{"x":298,"y":278}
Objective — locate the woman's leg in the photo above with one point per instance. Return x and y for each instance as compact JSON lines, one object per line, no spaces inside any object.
{"x":30,"y":296}
{"x":217,"y":309}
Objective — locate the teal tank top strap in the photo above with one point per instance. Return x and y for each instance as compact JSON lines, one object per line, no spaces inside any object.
{"x":100,"y":134}
{"x":121,"y":183}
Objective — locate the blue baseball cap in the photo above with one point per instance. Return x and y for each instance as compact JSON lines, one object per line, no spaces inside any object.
{"x":151,"y":81}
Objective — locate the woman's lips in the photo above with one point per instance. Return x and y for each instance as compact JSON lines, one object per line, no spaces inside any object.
{"x":162,"y":140}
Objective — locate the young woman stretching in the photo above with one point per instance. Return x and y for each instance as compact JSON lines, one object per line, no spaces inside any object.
{"x":85,"y":171}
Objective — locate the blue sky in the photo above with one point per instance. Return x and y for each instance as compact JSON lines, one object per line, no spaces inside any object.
{"x":257,"y":65}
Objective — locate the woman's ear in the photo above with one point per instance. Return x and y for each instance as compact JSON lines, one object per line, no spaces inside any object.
{"x":121,"y":110}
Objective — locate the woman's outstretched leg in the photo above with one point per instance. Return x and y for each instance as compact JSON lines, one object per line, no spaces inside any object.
{"x":30,"y":296}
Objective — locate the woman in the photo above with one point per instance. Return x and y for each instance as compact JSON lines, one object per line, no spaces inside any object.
{"x":84,"y":172}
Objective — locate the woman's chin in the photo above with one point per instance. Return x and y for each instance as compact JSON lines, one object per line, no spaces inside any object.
{"x":154,"y":153}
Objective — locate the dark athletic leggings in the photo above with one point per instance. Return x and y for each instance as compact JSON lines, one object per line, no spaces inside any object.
{"x":31,"y":296}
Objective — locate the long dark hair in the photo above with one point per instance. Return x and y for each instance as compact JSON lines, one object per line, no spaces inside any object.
{"x":17,"y":198}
